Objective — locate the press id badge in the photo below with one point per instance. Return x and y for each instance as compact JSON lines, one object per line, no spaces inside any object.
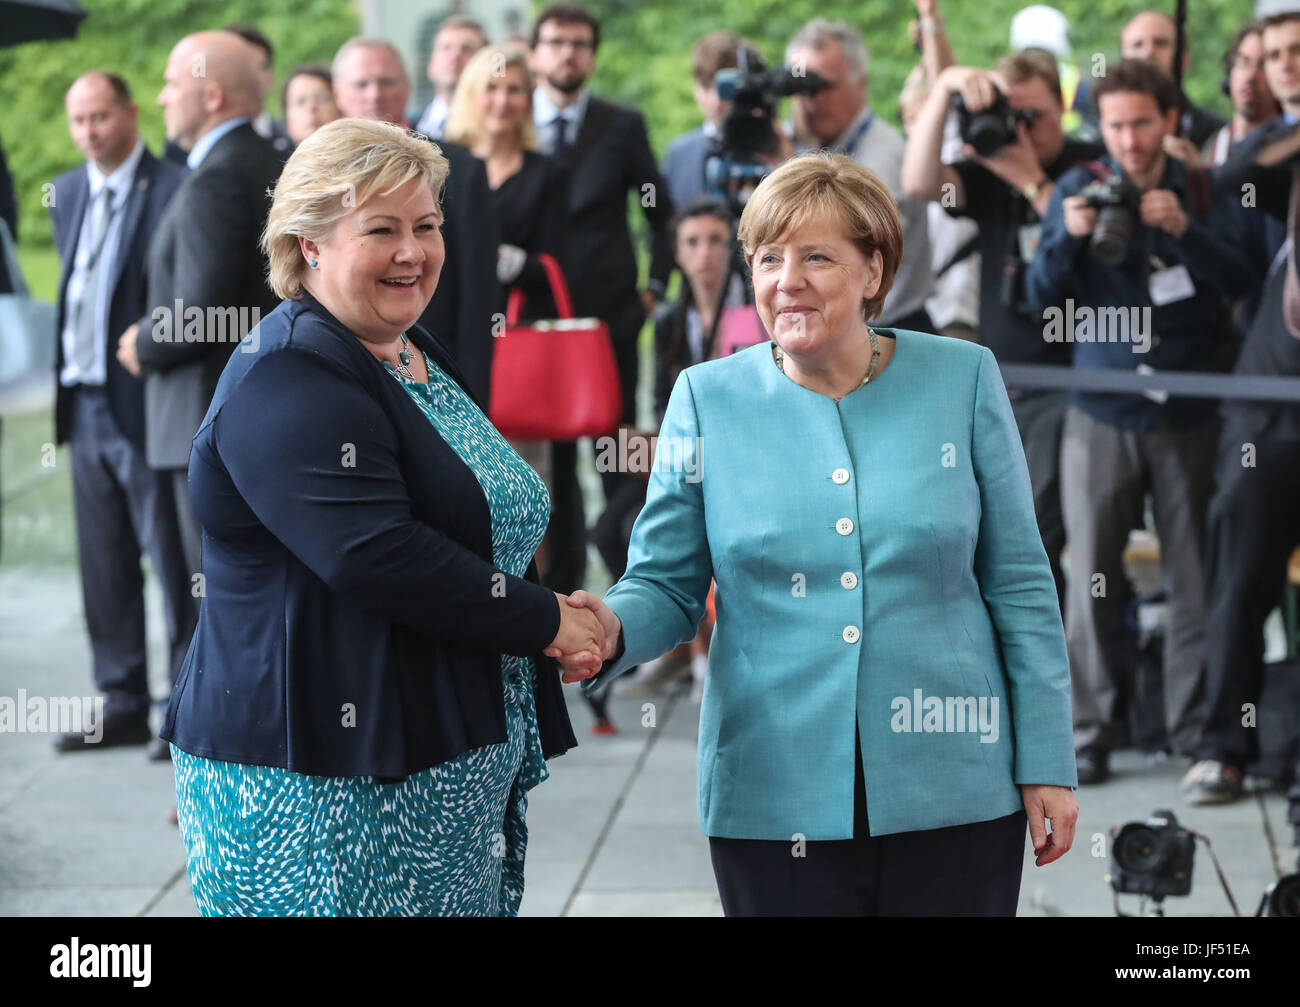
{"x":1171,"y":284}
{"x":1028,"y":235}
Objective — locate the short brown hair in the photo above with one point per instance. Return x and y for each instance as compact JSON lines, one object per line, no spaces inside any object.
{"x":567,"y":13}
{"x":1028,"y":64}
{"x":713,"y":52}
{"x":462,"y":21}
{"x":1138,"y":76}
{"x":1244,"y":32}
{"x":835,"y":188}
{"x":1274,"y":20}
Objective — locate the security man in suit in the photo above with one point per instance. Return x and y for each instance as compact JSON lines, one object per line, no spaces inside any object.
{"x":207,"y":275}
{"x":104,"y":213}
{"x":370,"y":82}
{"x":605,"y":150}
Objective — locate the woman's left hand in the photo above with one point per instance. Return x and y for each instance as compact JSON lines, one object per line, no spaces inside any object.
{"x":1057,"y":805}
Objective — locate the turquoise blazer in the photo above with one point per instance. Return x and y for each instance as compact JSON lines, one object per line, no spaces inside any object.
{"x":878,"y":566}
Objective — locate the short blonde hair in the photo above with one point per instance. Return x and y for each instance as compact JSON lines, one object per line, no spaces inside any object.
{"x":331,"y":173}
{"x":465,"y":117}
{"x":834,"y":188}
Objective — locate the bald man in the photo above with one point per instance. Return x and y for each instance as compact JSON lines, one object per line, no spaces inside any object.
{"x":105,"y":214}
{"x":207,"y":274}
{"x":1152,"y":36}
{"x":370,"y":82}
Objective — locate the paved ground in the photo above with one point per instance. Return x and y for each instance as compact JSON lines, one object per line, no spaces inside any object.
{"x":613,"y":832}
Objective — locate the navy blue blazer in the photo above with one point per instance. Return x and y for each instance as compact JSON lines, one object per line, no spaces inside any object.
{"x":156,"y":182}
{"x":352,"y":621}
{"x":684,"y":166}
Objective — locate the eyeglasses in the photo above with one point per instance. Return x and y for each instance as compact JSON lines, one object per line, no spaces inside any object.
{"x":578,"y":44}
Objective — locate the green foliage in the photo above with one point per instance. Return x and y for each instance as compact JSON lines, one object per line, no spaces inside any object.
{"x":133,"y":39}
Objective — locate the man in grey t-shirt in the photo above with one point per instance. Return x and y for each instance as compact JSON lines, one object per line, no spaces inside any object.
{"x":839,"y":119}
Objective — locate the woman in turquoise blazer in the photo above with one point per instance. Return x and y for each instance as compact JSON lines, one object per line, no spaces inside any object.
{"x":888,"y":634}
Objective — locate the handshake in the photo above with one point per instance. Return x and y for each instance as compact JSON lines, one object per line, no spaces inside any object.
{"x":588,"y":635}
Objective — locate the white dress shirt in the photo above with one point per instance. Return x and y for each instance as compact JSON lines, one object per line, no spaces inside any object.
{"x":545,"y":112}
{"x":121,"y":181}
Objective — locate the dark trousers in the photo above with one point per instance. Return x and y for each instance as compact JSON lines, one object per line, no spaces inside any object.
{"x":1106,"y":473}
{"x":964,"y":870}
{"x":918,"y":321}
{"x":1254,"y":526}
{"x":1040,"y":418}
{"x":568,"y":526}
{"x":567,"y":546}
{"x":124,"y":509}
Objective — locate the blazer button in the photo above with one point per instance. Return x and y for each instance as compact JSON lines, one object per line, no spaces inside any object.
{"x":844,"y":526}
{"x":849,"y":579}
{"x":841,"y":476}
{"x":851,"y":634}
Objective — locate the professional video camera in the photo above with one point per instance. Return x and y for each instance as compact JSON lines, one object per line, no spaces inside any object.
{"x":1119,"y":209}
{"x":733,"y":169}
{"x":990,"y":129}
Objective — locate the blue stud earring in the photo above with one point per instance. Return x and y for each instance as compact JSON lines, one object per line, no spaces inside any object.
{"x":312,"y":263}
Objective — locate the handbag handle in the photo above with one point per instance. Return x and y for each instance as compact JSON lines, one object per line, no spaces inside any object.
{"x":559,"y":291}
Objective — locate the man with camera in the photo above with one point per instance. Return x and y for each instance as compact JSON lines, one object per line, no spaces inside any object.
{"x":1014,"y":112}
{"x":1145,"y":260}
{"x":1254,"y":520}
{"x":838,"y":118}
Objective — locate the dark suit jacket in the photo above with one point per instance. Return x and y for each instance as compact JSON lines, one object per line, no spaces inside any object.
{"x":207,"y":255}
{"x":531,"y":212}
{"x":610,"y":157}
{"x":347,"y":552}
{"x":461,"y":309}
{"x":684,"y":166}
{"x":156,"y":183}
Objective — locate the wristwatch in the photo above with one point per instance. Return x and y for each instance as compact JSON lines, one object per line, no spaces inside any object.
{"x":931,"y":27}
{"x":1032,"y":191}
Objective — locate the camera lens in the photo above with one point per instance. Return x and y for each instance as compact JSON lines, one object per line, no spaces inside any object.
{"x":1138,"y":849}
{"x":1285,"y":900}
{"x":1111,"y":234}
{"x":987,"y":134}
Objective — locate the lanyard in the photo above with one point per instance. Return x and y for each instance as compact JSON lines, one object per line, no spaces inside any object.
{"x":858,"y":133}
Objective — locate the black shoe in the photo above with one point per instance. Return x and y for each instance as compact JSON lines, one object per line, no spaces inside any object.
{"x":113,"y":731}
{"x":1092,"y":765}
{"x":159,"y":751}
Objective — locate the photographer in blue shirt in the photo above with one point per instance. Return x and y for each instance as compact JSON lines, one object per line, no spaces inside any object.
{"x":1142,"y":262}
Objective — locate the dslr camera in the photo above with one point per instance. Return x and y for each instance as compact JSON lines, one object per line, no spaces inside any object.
{"x":1153,"y":857}
{"x":990,"y":129}
{"x":1119,"y":209}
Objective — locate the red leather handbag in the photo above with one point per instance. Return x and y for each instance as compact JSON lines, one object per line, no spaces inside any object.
{"x":554,"y":380}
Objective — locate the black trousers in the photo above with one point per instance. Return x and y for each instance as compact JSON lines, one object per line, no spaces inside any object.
{"x":965,"y":870}
{"x":124,"y":510}
{"x":568,"y":527}
{"x":1040,"y":418}
{"x":1254,"y":527}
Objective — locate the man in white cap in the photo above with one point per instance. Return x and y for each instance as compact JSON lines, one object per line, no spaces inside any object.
{"x":1044,"y":27}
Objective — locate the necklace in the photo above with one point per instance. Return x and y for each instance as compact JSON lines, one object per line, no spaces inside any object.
{"x":871,"y":369}
{"x":404,"y":355}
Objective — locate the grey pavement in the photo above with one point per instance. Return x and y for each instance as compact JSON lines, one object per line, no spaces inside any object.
{"x":613,"y":832}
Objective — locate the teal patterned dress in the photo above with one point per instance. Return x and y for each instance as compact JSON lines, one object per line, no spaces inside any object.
{"x":450,"y":840}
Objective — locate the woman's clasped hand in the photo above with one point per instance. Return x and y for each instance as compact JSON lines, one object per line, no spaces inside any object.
{"x":587,"y":638}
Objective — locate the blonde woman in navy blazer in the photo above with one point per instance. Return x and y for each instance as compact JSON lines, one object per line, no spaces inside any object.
{"x":888,"y":697}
